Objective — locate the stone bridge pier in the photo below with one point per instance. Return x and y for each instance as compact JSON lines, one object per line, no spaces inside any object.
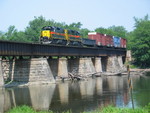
{"x":42,"y":70}
{"x":115,"y":64}
{"x":1,"y":74}
{"x":98,"y":64}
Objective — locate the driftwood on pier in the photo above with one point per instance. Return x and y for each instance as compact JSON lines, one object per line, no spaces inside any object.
{"x":74,"y":77}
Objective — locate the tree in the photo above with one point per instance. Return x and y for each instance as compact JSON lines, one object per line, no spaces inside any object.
{"x":119,"y":31}
{"x":101,"y":30}
{"x":2,"y":36}
{"x":10,"y":33}
{"x":141,"y":45}
{"x":84,"y":32}
{"x":32,"y":32}
{"x":130,"y":40}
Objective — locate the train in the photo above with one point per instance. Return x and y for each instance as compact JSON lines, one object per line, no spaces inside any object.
{"x":60,"y":36}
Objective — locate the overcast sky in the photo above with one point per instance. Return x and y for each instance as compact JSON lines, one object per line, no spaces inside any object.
{"x":91,"y":13}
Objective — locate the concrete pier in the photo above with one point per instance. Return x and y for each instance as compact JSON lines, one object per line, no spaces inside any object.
{"x":62,"y":67}
{"x":113,"y":64}
{"x":41,"y":70}
{"x":98,"y":64}
{"x":128,"y":56}
{"x":86,"y":67}
{"x":120,"y":61}
{"x":31,"y":71}
{"x":1,"y":74}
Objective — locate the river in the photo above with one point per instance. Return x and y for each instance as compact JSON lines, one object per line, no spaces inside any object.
{"x":79,"y":96}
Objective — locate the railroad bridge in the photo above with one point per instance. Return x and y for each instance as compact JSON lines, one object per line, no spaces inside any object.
{"x":40,"y":63}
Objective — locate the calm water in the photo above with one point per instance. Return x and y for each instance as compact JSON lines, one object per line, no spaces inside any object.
{"x":79,"y":95}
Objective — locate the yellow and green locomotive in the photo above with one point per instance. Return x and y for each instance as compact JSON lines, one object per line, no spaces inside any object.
{"x":57,"y":35}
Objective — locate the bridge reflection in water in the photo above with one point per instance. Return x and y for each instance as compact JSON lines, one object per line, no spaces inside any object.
{"x":77,"y":96}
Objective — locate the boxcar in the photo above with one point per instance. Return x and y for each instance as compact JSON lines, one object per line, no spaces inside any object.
{"x":123,"y":42}
{"x":116,"y":41}
{"x":109,"y":40}
{"x":100,"y":38}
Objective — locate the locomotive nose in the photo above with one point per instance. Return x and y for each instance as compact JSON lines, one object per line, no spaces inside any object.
{"x":45,"y":39}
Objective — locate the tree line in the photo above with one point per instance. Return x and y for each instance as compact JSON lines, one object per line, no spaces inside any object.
{"x":138,"y":40}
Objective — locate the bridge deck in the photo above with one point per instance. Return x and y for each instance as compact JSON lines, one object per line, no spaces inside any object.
{"x":8,"y":48}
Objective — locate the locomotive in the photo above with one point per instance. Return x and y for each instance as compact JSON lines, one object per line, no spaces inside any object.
{"x":60,"y":36}
{"x":57,"y":35}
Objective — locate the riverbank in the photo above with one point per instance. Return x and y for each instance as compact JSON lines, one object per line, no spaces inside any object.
{"x":108,"y":109}
{"x":140,"y":72}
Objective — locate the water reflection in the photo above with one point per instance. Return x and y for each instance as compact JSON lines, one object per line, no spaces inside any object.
{"x":1,"y":100}
{"x":78,"y":96}
{"x":99,"y":86}
{"x":141,"y":90}
{"x":87,"y":88}
{"x":64,"y":92}
{"x":41,"y":96}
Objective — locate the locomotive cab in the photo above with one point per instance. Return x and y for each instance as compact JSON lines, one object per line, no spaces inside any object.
{"x":46,"y":34}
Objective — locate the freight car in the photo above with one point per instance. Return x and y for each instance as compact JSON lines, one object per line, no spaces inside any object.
{"x":103,"y":40}
{"x":56,"y":35}
{"x":116,"y":41}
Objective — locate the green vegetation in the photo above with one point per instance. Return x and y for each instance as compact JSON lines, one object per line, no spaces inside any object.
{"x":138,"y":39}
{"x":141,"y":42}
{"x":25,"y":109}
{"x":132,"y":66}
{"x":109,"y":109}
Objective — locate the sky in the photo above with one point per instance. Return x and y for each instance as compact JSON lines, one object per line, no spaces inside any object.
{"x":91,"y":13}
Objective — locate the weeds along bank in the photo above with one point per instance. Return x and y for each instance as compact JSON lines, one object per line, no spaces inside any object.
{"x":108,"y":109}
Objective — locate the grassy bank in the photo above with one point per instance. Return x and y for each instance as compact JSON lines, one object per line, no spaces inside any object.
{"x":109,"y":109}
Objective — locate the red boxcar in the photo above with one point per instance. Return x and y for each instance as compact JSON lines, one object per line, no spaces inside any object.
{"x":123,"y":43}
{"x":109,"y":41}
{"x":100,"y":38}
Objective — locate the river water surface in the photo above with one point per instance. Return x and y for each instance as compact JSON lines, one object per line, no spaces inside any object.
{"x":79,"y":96}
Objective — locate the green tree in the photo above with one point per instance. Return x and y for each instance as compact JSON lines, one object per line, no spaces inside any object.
{"x":141,"y":45}
{"x":10,"y":33}
{"x":113,"y":30}
{"x":101,"y":30}
{"x":32,"y":31}
{"x":75,"y":26}
{"x":130,"y":40}
{"x":2,"y":36}
{"x":118,"y":31}
{"x":84,"y":32}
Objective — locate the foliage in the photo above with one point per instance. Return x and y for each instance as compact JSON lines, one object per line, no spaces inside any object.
{"x":112,"y":109}
{"x":119,"y":31}
{"x":84,"y":32}
{"x":108,"y":109}
{"x":25,"y":109}
{"x":141,"y":42}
